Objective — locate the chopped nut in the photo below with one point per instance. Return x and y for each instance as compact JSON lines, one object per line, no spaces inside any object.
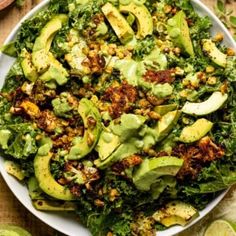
{"x":159,"y":43}
{"x":179,"y":71}
{"x":90,"y":139}
{"x":218,"y":37}
{"x":202,"y":76}
{"x":166,"y":50}
{"x":99,"y":203}
{"x":167,"y":9}
{"x":177,"y":51}
{"x":143,"y":103}
{"x":120,"y":55}
{"x":109,"y":69}
{"x":183,"y":93}
{"x":212,"y":80}
{"x":224,"y":88}
{"x":154,"y":115}
{"x":154,"y":100}
{"x":185,"y":82}
{"x":230,"y":52}
{"x":210,"y":69}
{"x":100,"y":193}
{"x":31,"y":109}
{"x":113,"y":195}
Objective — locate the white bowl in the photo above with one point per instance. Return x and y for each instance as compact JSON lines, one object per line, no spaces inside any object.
{"x":66,"y":223}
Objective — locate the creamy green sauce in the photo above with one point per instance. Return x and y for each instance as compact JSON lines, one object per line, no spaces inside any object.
{"x":131,"y":134}
{"x":133,"y":72}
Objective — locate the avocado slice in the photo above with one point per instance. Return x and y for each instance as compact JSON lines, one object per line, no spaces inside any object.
{"x":107,"y":144}
{"x":43,"y":174}
{"x":43,"y":42}
{"x":124,"y":150}
{"x":120,"y":140}
{"x":214,"y":53}
{"x":143,"y":18}
{"x":119,"y":24}
{"x":167,"y":123}
{"x":82,"y":146}
{"x":28,"y":68}
{"x":151,"y":169}
{"x":163,"y":109}
{"x":212,"y":104}
{"x":14,"y":169}
{"x":12,"y":230}
{"x":35,"y":192}
{"x":178,"y":30}
{"x":161,"y":184}
{"x":48,"y":32}
{"x":175,"y":213}
{"x":49,"y":205}
{"x":56,"y":72}
{"x":195,"y":131}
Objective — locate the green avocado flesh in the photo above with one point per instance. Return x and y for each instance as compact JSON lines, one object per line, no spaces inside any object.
{"x":48,"y":68}
{"x":175,"y":213}
{"x":46,"y":181}
{"x":178,"y":30}
{"x":152,"y":169}
{"x":82,"y":146}
{"x":212,"y":104}
{"x":214,"y":53}
{"x":143,"y":17}
{"x":120,"y":140}
{"x":119,"y":24}
{"x":195,"y":131}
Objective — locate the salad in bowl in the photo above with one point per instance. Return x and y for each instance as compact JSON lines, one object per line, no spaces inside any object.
{"x":120,"y":111}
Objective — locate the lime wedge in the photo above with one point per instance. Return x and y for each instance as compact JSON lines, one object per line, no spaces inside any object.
{"x":11,"y":230}
{"x":221,"y":228}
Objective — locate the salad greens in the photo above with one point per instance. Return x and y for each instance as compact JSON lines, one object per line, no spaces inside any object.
{"x":101,"y":107}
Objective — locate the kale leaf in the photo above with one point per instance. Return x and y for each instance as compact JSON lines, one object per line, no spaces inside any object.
{"x":144,"y":47}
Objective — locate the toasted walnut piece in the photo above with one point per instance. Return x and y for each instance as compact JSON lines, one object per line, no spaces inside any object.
{"x":154,"y":115}
{"x":154,"y":100}
{"x":99,"y":203}
{"x":218,"y":37}
{"x":113,"y":195}
{"x":224,"y":88}
{"x":230,"y":52}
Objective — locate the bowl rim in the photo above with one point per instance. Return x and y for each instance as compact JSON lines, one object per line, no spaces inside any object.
{"x":171,"y":231}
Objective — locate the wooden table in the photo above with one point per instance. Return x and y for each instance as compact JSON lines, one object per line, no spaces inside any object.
{"x":11,"y":211}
